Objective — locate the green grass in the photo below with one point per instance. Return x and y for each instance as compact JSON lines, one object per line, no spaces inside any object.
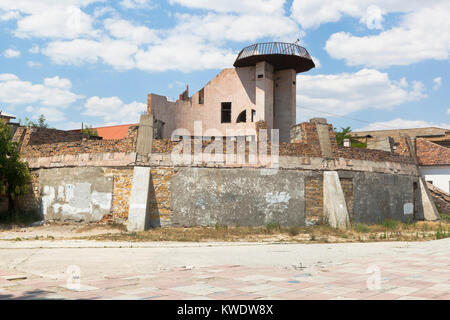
{"x":391,"y":224}
{"x":274,"y":226}
{"x":445,"y":217}
{"x":362,"y":228}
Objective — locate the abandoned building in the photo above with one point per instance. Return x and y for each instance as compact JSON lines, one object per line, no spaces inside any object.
{"x":261,"y":87}
{"x":134,"y":180}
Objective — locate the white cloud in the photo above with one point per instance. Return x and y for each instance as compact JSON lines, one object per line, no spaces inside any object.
{"x":421,"y":35}
{"x":133,"y":4}
{"x":125,"y":30}
{"x":17,"y":92}
{"x":33,"y":64}
{"x":11,"y":53}
{"x":9,"y":15}
{"x":8,"y":77}
{"x":34,"y":49}
{"x":448,"y":110}
{"x":316,"y":62}
{"x":195,"y":55}
{"x":373,"y":18}
{"x":313,"y":13}
{"x":195,"y":43}
{"x":240,"y":6}
{"x":437,"y":83}
{"x":401,"y":124}
{"x":113,"y":110}
{"x":116,"y":53}
{"x":57,"y":82}
{"x":69,"y":23}
{"x":49,"y":18}
{"x":342,"y":94}
{"x":240,"y":28}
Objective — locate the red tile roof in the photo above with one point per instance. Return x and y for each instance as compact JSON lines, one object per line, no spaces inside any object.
{"x":112,"y":132}
{"x":431,"y":154}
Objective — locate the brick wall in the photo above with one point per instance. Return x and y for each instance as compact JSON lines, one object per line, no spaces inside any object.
{"x":372,"y":155}
{"x":160,"y":196}
{"x":122,"y":182}
{"x":47,"y":149}
{"x":314,"y":200}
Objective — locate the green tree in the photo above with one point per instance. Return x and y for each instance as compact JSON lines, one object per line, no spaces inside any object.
{"x":41,"y":123}
{"x":90,"y":131}
{"x":345,"y":133}
{"x":14,"y":174}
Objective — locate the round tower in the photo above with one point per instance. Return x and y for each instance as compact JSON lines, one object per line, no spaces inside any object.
{"x":277,"y":65}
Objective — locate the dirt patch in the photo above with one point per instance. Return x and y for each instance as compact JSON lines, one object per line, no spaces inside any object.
{"x":58,"y":231}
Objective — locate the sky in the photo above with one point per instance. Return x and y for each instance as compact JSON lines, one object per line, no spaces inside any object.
{"x":380,"y":64}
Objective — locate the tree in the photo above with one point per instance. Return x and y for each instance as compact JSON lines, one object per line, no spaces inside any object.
{"x":41,"y":123}
{"x":14,"y":174}
{"x":345,"y":134}
{"x":90,"y":131}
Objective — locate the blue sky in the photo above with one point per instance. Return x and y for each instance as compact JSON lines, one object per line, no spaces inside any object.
{"x":380,"y":64}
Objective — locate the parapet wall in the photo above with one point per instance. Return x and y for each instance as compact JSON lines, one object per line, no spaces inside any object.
{"x":92,"y":180}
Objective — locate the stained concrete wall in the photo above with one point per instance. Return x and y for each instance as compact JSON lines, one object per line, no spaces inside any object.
{"x":377,"y":197}
{"x":284,"y":113}
{"x":203,"y":196}
{"x":75,"y":194}
{"x":244,"y":197}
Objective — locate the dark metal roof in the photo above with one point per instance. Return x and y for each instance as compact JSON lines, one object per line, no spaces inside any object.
{"x":279,"y":54}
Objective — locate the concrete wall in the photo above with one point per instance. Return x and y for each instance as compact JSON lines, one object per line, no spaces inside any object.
{"x":77,"y":194}
{"x":245,"y":197}
{"x":377,"y":197}
{"x":233,"y":197}
{"x":284,"y":102}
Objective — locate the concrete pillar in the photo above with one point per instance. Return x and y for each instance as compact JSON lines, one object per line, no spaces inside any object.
{"x":334,"y":205}
{"x":140,"y":208}
{"x":324,"y":137}
{"x":429,"y":208}
{"x":430,"y":212}
{"x":284,"y":109}
{"x":264,"y":95}
{"x":145,"y":135}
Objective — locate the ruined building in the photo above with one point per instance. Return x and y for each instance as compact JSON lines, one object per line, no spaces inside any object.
{"x":136,"y":180}
{"x":261,"y":87}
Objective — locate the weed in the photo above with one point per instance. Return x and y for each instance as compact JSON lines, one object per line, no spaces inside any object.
{"x":293,"y":231}
{"x":361,"y":228}
{"x":391,"y":224}
{"x":445,"y":217}
{"x":271,"y":227}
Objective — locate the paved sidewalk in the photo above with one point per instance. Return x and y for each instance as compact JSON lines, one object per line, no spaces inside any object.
{"x":423,"y":274}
